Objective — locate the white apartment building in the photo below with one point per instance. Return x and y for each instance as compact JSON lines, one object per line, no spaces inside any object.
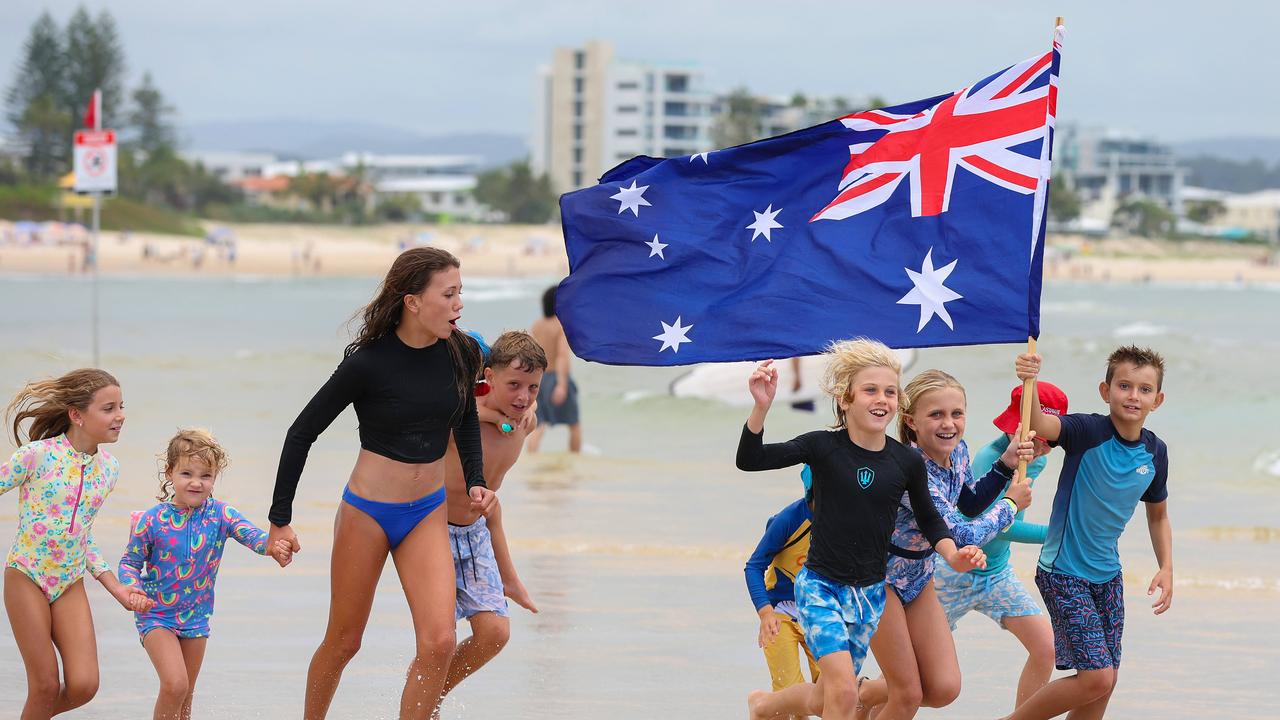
{"x":1107,"y":167}
{"x":593,"y":111}
{"x":230,"y":166}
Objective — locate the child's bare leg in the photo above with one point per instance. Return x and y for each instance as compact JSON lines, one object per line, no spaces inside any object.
{"x":1066,"y":694}
{"x":193,"y":657}
{"x":1096,"y":709}
{"x":32,"y":624}
{"x":934,"y":648}
{"x":575,"y":438}
{"x":833,"y":697}
{"x":1036,"y":635}
{"x":72,"y":626}
{"x":489,"y":634}
{"x":900,"y":688}
{"x":535,"y":438}
{"x":166,"y":655}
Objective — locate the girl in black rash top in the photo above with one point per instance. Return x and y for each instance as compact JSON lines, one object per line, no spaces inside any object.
{"x":410,"y":374}
{"x":859,"y":476}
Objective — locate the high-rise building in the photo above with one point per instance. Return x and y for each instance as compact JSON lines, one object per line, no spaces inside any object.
{"x":593,"y":111}
{"x":1106,"y":167}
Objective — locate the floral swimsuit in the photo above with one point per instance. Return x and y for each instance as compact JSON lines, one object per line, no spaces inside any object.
{"x":60,"y":493}
{"x":174,"y":555}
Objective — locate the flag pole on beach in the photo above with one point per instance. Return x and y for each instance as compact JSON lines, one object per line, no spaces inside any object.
{"x":1029,"y":385}
{"x":95,"y":111}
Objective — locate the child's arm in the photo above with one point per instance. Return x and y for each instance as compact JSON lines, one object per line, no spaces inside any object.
{"x":135,"y":556}
{"x":753,"y":454}
{"x":776,"y":532}
{"x":239,"y":528}
{"x":1047,"y":427}
{"x":1022,"y":531}
{"x":1162,"y":543}
{"x":512,"y":587}
{"x":561,"y":393}
{"x":19,"y":468}
{"x":933,"y":527}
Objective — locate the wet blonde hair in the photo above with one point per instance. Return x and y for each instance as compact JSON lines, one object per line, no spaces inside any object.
{"x":46,"y":403}
{"x":847,"y":358}
{"x":195,"y":443}
{"x":921,"y":385}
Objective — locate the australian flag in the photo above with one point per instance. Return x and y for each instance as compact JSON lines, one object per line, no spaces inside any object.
{"x":919,"y":225}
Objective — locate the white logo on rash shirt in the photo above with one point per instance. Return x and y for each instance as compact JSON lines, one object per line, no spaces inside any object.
{"x":1143,"y":469}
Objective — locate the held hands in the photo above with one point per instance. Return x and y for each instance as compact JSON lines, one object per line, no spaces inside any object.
{"x":1164,"y":581}
{"x":519,"y":595}
{"x":483,"y":500}
{"x":1027,"y":366}
{"x":281,"y":551}
{"x":132,"y":598}
{"x":967,"y":558}
{"x":769,"y":625}
{"x":283,"y":533}
{"x":763,"y":384}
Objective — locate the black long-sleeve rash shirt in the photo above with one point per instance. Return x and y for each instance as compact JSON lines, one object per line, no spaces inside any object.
{"x":407,"y":403}
{"x":855,"y":498}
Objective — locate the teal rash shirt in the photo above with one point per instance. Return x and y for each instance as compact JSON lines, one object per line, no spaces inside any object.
{"x":1020,"y":531}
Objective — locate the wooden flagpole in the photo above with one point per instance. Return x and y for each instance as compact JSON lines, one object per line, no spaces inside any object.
{"x":1029,"y":386}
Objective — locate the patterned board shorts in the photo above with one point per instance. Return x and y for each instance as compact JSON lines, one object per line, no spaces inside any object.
{"x":838,"y":617}
{"x":476,"y":571}
{"x":997,"y":596}
{"x":146,"y":623}
{"x":1088,"y":619}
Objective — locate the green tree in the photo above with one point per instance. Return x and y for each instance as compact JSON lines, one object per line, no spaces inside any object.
{"x":94,"y":60}
{"x":1064,"y":203}
{"x":1205,"y":211}
{"x":515,"y":192}
{"x":33,"y":101}
{"x":739,"y":122}
{"x":1144,"y":217}
{"x":149,"y":119}
{"x":317,"y":188}
{"x":399,"y":208}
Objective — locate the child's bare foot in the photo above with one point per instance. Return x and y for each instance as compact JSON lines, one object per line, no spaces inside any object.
{"x":755,"y":701}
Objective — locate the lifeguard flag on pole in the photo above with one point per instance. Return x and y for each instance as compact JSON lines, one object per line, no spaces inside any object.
{"x":920,"y":225}
{"x":93,"y":113}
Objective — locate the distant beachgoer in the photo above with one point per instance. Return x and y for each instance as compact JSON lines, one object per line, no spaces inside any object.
{"x":486,"y":574}
{"x":63,"y":476}
{"x":411,"y":375}
{"x":859,"y":477}
{"x":173,"y":555}
{"x":558,"y":396}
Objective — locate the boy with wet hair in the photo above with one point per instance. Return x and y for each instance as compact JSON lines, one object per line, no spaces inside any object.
{"x":485,"y":573}
{"x":1112,"y":462}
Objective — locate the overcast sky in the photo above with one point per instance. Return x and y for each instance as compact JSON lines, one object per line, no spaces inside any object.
{"x":1177,"y":69}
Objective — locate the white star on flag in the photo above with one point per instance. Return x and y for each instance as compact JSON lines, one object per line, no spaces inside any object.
{"x":631,"y":198}
{"x":702,"y":155}
{"x":673,"y":335}
{"x":764,"y":223}
{"x":655,"y":248}
{"x":929,"y":292}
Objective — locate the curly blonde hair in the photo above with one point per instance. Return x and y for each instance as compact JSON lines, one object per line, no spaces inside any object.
{"x":195,"y":443}
{"x":847,"y":358}
{"x":920,"y":385}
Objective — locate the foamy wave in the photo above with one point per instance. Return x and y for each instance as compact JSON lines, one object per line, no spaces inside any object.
{"x":1243,"y":583}
{"x":631,"y":397}
{"x":1269,"y":463}
{"x":587,"y":547}
{"x":1139,"y":329}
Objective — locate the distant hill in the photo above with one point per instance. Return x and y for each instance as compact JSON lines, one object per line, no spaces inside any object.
{"x":308,"y":139}
{"x":1239,"y":149}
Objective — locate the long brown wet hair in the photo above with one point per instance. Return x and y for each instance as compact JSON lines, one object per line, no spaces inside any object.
{"x":409,"y":275}
{"x":46,"y":402}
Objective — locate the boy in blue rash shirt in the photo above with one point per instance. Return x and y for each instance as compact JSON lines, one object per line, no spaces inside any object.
{"x":771,"y":572}
{"x":996,"y":591}
{"x":1112,"y":463}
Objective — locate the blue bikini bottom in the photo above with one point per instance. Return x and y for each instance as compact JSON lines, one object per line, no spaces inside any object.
{"x":396,"y":519}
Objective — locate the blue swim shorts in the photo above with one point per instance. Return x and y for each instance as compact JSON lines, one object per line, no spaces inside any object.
{"x":476,"y":571}
{"x":997,"y":596}
{"x":838,"y":617}
{"x":1088,"y":619}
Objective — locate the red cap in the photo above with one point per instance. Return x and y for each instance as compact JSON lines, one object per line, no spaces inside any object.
{"x":1052,"y":402}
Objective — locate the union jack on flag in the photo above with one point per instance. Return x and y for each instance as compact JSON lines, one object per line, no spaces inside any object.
{"x":919,"y":224}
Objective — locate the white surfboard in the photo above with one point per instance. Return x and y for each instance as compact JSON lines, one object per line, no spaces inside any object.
{"x":727,"y":382}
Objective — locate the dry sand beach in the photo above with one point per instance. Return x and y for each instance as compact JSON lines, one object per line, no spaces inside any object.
{"x":538,"y":250}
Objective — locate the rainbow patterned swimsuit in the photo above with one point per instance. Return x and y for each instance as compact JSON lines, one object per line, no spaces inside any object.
{"x":174,"y":554}
{"x":60,"y":493}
